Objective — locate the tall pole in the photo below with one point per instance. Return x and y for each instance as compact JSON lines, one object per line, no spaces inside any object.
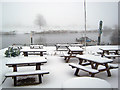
{"x":85,"y":21}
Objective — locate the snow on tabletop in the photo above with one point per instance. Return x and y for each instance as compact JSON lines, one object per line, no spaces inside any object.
{"x":27,"y":60}
{"x":94,"y":58}
{"x":75,"y":48}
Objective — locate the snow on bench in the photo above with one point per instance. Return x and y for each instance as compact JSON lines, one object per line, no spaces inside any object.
{"x":112,"y":56}
{"x":68,"y":55}
{"x":100,"y":51}
{"x":84,"y":68}
{"x":37,"y":72}
{"x":113,"y":66}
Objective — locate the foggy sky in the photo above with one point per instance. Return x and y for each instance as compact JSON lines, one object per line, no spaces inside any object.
{"x":20,"y":16}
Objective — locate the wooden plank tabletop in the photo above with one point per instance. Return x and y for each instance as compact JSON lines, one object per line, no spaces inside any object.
{"x":27,"y":60}
{"x":96,"y":59}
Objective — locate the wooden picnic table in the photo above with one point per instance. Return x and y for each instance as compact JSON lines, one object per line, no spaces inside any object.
{"x":73,"y":51}
{"x":61,"y":45}
{"x":26,"y":61}
{"x":95,"y":61}
{"x":28,"y":49}
{"x":108,"y":49}
{"x":36,"y":46}
{"x":66,"y":45}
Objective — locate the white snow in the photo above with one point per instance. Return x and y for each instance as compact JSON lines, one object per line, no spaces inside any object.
{"x":59,"y":70}
{"x":85,"y":82}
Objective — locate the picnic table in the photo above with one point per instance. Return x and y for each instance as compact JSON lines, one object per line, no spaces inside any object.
{"x":36,"y":46}
{"x":28,"y":49}
{"x":66,"y":45}
{"x":85,"y":82}
{"x":72,"y":52}
{"x":61,"y":45}
{"x":95,"y":61}
{"x":25,"y":61}
{"x":108,"y":49}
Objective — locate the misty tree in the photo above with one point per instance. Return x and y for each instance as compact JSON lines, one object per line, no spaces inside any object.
{"x":40,"y":21}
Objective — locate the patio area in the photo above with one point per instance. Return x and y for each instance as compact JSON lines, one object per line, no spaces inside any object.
{"x":59,"y":70}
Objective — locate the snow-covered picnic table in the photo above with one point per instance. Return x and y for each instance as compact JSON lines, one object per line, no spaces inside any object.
{"x":66,"y":45}
{"x":95,"y":61}
{"x":107,"y":49}
{"x":61,"y":45}
{"x":25,"y":51}
{"x":26,"y":61}
{"x":36,"y":46}
{"x":73,"y":51}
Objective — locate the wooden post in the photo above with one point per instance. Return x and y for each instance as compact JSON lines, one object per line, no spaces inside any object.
{"x":100,"y":32}
{"x":31,"y":39}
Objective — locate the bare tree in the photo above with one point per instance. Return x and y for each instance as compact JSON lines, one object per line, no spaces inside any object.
{"x":40,"y":20}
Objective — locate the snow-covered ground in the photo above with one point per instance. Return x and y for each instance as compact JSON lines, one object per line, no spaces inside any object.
{"x":59,"y":70}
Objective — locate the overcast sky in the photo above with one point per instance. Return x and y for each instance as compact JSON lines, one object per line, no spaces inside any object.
{"x":20,"y":16}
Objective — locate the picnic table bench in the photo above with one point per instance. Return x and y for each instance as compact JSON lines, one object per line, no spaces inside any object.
{"x":112,"y":56}
{"x":80,"y":67}
{"x":28,"y":49}
{"x":40,"y":73}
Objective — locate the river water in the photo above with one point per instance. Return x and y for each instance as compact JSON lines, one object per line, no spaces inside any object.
{"x":50,"y":39}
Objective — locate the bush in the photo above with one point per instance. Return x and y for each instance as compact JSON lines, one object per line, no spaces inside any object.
{"x":12,"y":52}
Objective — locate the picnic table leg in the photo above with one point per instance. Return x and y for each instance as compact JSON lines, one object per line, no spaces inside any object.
{"x":107,"y":52}
{"x":92,"y":65}
{"x":92,"y":74}
{"x":96,"y":66}
{"x":25,"y":53}
{"x":66,"y":47}
{"x":38,"y":68}
{"x":116,"y":52}
{"x":67,"y":60}
{"x":102,"y":53}
{"x":81,"y":53}
{"x":108,"y":70}
{"x":80,"y":61}
{"x":76,"y":72}
{"x":15,"y":78}
{"x":68,"y":51}
{"x":41,"y":53}
{"x":40,"y":78}
{"x":57,"y":48}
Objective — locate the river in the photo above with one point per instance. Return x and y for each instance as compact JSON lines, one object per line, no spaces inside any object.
{"x":51,"y":38}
